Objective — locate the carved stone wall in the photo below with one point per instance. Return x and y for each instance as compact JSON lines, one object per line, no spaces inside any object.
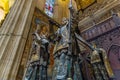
{"x":96,"y":14}
{"x":106,"y":35}
{"x":93,"y":8}
{"x":99,"y":29}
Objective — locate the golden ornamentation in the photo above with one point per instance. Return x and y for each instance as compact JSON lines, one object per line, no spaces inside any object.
{"x":4,"y":8}
{"x":82,"y":4}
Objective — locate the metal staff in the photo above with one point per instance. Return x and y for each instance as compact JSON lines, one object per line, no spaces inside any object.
{"x":70,"y":45}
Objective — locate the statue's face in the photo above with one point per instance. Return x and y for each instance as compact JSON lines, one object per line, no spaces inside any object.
{"x":64,"y":21}
{"x":44,"y":29}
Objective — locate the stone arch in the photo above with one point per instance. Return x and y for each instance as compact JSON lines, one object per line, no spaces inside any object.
{"x":114,"y":58}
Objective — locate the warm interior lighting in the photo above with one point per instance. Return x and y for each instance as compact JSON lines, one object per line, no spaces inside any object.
{"x":2,"y":14}
{"x":4,"y":8}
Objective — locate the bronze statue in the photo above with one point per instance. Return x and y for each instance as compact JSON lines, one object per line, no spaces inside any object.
{"x":37,"y":69}
{"x":100,"y":65}
{"x":60,"y":52}
{"x":99,"y":61}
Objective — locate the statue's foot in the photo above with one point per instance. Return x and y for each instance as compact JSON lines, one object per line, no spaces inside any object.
{"x":69,"y":78}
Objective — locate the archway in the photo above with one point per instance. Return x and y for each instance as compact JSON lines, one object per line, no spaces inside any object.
{"x":114,"y":58}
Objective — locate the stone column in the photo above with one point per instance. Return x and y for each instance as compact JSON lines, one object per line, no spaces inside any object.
{"x":13,"y":35}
